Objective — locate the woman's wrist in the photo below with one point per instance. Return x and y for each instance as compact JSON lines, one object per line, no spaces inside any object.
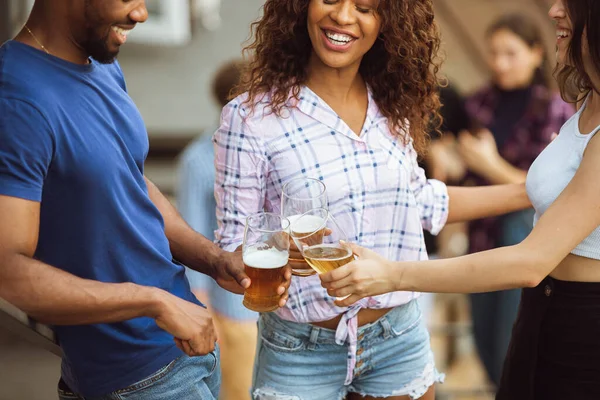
{"x":400,"y":275}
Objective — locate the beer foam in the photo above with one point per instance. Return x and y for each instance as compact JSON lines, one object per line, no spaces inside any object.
{"x":305,"y":224}
{"x":265,"y":259}
{"x":326,"y":252}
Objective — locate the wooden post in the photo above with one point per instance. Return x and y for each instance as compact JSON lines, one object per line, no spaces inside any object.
{"x":5,"y":22}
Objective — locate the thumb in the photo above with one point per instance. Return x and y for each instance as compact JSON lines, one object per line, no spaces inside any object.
{"x":242,"y":279}
{"x":553,"y":136}
{"x":357,"y":250}
{"x":234,"y":267}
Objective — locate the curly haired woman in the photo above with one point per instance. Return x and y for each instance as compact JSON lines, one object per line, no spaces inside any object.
{"x":333,"y":88}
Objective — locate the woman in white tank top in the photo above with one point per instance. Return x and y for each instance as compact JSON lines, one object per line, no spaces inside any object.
{"x":555,"y":347}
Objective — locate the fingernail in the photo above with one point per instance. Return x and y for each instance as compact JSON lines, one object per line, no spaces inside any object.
{"x":245,"y":283}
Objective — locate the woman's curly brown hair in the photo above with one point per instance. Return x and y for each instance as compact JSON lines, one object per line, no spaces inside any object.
{"x":401,"y":68}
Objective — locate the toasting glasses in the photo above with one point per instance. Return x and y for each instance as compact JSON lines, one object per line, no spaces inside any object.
{"x":300,"y":196}
{"x":324,"y":246}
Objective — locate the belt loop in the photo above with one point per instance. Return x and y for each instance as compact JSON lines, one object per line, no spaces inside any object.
{"x":387,"y":328}
{"x":314,"y":335}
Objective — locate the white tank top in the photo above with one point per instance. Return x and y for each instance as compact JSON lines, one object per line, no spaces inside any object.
{"x":552,"y":171}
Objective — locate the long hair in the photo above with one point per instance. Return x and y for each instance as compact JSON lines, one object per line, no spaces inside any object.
{"x":573,"y":80}
{"x":530,"y":33}
{"x":401,"y":68}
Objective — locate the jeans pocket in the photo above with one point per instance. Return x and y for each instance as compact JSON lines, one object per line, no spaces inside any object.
{"x":403,"y":330}
{"x":215,"y":355}
{"x":280,"y":341}
{"x":151,"y":380}
{"x":65,"y":393}
{"x":407,"y":320}
{"x":62,"y":395}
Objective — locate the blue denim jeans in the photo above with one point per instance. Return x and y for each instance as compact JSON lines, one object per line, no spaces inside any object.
{"x":186,"y":378}
{"x":303,"y":362}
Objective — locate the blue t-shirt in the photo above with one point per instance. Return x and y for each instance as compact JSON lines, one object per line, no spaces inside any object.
{"x":72,"y":139}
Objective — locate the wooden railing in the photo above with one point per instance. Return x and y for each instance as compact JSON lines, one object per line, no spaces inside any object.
{"x":18,"y":323}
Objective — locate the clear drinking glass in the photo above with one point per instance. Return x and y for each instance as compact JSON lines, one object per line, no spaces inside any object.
{"x":325,"y":247}
{"x":299,"y":196}
{"x":265,"y":252}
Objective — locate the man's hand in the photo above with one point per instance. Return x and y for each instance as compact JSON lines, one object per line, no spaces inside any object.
{"x":190,"y":324}
{"x":229,"y":273}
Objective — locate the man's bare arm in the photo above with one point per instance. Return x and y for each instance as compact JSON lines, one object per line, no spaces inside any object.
{"x":187,"y":246}
{"x":51,"y":295}
{"x":55,"y":297}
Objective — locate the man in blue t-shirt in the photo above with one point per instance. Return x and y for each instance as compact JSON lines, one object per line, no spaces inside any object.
{"x":87,"y":243}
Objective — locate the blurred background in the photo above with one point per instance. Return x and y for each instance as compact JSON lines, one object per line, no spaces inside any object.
{"x":169,"y":63}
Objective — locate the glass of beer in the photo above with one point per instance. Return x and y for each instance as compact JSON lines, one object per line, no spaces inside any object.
{"x":299,"y":196}
{"x":265,"y":252}
{"x":326,"y":247}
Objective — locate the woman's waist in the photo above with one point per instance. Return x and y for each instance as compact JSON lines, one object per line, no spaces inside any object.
{"x":365,"y":316}
{"x":403,"y":316}
{"x":320,"y":310}
{"x":575,"y":268}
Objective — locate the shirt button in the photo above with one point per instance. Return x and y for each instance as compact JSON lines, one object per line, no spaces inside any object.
{"x":361,"y":336}
{"x":547,"y":290}
{"x":360,"y":351}
{"x":359,"y":364}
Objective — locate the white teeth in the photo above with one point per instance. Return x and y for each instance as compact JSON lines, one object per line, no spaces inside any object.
{"x":562,"y":33}
{"x":122,"y":32}
{"x":338,"y":37}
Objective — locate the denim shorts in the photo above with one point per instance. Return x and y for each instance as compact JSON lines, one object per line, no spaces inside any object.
{"x":189,"y":378}
{"x":220,"y":300}
{"x":303,"y":362}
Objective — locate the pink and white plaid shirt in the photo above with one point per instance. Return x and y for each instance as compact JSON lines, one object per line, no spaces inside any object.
{"x":376,"y":191}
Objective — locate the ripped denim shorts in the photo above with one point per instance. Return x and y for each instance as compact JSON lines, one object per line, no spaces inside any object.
{"x":303,"y":362}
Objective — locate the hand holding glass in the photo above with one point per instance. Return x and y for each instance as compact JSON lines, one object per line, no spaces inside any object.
{"x":265,"y":252}
{"x":325,"y":246}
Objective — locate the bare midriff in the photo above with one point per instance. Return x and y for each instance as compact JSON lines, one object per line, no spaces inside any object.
{"x":577,"y":269}
{"x":365,"y":316}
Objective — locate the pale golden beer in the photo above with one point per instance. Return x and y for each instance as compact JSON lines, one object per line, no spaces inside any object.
{"x":327,"y":257}
{"x":307,"y":225}
{"x":265,"y":270}
{"x":299,"y":196}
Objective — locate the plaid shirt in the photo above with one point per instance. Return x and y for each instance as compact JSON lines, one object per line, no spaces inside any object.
{"x":545,"y":114}
{"x":376,"y":191}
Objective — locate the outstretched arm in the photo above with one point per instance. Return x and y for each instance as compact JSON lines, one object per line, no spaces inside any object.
{"x":470,"y":203}
{"x":570,"y":219}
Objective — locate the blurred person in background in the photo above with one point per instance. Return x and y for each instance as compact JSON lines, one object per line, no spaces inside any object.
{"x":444,"y":163}
{"x":514,"y":118}
{"x":235,"y":324}
{"x":333,"y":87}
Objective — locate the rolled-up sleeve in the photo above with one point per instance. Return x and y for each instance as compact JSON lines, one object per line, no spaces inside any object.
{"x":241,"y":169}
{"x":431,"y":196}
